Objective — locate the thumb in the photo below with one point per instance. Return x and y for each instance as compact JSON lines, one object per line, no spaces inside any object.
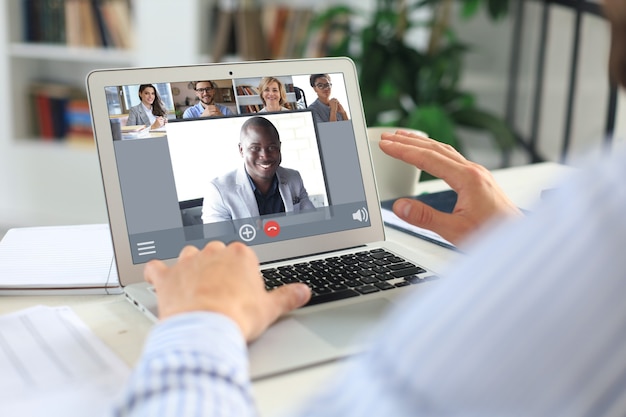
{"x":419,"y":214}
{"x":289,"y":297}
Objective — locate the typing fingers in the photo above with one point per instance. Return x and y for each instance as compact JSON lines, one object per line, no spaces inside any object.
{"x":153,"y":271}
{"x":187,"y":252}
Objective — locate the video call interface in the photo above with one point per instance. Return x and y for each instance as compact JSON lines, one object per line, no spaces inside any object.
{"x":257,"y":160}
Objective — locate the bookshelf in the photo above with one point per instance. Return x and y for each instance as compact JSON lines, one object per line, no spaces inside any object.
{"x":43,"y":182}
{"x":54,"y":182}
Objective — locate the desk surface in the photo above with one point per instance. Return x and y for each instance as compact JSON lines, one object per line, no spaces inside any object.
{"x":124,"y":329}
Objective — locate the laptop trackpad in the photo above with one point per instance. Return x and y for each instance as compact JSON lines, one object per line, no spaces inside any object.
{"x":341,"y":325}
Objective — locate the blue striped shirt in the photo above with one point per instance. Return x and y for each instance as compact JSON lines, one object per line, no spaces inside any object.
{"x":532,"y":323}
{"x":192,"y":365}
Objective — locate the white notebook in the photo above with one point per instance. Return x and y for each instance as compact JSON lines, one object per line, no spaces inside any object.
{"x":58,"y":259}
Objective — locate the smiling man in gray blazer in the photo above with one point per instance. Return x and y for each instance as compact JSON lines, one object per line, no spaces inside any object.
{"x":260,"y":186}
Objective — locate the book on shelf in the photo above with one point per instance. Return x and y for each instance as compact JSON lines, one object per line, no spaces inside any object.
{"x":224,"y":35}
{"x":250,"y":91}
{"x":60,"y":111}
{"x":43,"y":21}
{"x":273,"y":31}
{"x":247,"y":90}
{"x":79,"y":23}
{"x":287,"y":30}
{"x":78,"y":119}
{"x":116,"y":18}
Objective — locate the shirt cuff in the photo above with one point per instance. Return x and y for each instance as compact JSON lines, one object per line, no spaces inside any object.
{"x":207,"y":333}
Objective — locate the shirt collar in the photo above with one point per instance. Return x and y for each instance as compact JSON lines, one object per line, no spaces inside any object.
{"x":272,"y":188}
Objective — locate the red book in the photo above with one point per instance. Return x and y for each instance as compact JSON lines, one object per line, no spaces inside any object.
{"x":44,"y":113}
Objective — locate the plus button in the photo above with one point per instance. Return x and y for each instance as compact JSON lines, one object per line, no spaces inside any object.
{"x":247,"y":232}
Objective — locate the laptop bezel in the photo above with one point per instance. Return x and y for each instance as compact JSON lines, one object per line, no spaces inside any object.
{"x":96,"y":82}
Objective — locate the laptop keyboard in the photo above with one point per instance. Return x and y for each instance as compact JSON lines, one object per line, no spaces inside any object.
{"x":349,"y":275}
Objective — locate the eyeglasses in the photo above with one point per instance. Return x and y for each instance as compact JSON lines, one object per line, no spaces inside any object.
{"x":204,"y":90}
{"x":323,"y":86}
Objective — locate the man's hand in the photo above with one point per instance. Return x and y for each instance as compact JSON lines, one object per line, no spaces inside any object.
{"x":226,"y":280}
{"x":479,"y":196}
{"x":211,"y":111}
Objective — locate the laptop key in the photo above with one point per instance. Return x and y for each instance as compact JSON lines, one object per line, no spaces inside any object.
{"x":369,"y":280}
{"x":321,"y":290}
{"x":409,"y":271}
{"x":403,"y":265}
{"x":379,"y":255}
{"x":333,"y":296}
{"x":337,"y":287}
{"x":352,"y":282}
{"x":385,"y":277}
{"x":384,"y":285}
{"x":366,"y":289}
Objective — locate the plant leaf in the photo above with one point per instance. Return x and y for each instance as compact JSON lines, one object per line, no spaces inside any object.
{"x":502,"y":134}
{"x":498,"y":8}
{"x":469,"y":9}
{"x":436,"y":122}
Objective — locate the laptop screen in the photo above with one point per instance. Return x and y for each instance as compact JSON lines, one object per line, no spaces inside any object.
{"x":274,"y":162}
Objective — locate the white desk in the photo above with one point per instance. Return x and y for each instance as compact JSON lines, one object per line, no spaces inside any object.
{"x":124,"y":328}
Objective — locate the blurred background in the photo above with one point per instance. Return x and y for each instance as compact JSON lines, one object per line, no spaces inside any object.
{"x":506,"y":82}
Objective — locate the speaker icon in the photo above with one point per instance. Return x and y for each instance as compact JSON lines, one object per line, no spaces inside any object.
{"x":360,"y":215}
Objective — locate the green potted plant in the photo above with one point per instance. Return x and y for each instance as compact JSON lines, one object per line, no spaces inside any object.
{"x":402,"y":85}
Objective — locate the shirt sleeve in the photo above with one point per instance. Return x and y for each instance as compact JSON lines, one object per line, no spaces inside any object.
{"x":191,"y":112}
{"x":132,"y":117}
{"x":226,"y":111}
{"x":532,"y":323}
{"x":192,"y":365}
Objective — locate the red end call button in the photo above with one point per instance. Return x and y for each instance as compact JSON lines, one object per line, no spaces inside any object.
{"x":271,"y":228}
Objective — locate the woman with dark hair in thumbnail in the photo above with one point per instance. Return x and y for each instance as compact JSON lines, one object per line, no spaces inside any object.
{"x":151,"y":111}
{"x":325,"y":108}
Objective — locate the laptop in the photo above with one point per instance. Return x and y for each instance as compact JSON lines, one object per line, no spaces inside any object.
{"x":159,"y":187}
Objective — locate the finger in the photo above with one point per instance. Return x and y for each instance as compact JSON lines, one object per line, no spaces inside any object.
{"x":422,"y":215}
{"x":450,"y":168}
{"x":288,"y":297}
{"x":213,"y":247}
{"x":244,"y":252}
{"x":423,"y":142}
{"x":154,"y":270}
{"x":414,"y":134}
{"x":187,"y":252}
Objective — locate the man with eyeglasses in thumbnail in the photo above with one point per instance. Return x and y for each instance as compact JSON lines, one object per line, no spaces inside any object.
{"x":206,"y":107}
{"x":325,"y":108}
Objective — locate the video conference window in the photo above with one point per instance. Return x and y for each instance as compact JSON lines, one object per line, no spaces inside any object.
{"x":211,"y":164}
{"x":179,"y":173}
